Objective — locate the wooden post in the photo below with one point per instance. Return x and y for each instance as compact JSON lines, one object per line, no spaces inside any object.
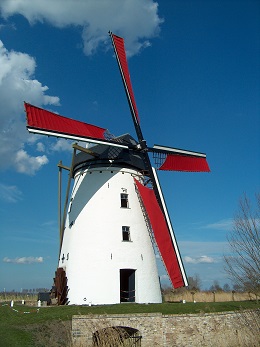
{"x":67,"y":197}
{"x":214,"y":296}
{"x":59,"y":197}
{"x":233,"y":295}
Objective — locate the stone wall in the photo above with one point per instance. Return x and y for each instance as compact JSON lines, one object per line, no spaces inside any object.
{"x":222,"y":330}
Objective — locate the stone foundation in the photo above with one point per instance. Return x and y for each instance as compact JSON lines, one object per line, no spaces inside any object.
{"x":222,"y":329}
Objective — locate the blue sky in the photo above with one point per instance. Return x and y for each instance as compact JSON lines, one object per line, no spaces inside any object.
{"x":195,"y":71}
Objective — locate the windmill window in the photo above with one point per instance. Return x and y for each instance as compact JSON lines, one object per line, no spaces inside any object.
{"x":124,"y":200}
{"x":126,"y":233}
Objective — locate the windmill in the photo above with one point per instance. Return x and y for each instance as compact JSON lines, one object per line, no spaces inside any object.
{"x":116,"y":214}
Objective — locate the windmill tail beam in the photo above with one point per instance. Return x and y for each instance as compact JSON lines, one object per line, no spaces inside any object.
{"x":85,"y":150}
{"x":67,"y":199}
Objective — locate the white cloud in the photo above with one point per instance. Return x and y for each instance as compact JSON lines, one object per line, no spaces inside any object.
{"x":51,"y":223}
{"x":199,"y":260}
{"x":26,"y":164}
{"x":17,"y":83}
{"x":62,"y":145}
{"x":23,"y":260}
{"x":136,"y":20}
{"x":224,"y":224}
{"x":10,"y":193}
{"x":196,"y":248}
{"x":40,"y":147}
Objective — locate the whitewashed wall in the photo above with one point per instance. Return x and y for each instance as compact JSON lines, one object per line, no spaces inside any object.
{"x":93,"y":252}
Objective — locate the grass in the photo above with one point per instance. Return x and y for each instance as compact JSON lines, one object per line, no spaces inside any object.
{"x":22,"y":325}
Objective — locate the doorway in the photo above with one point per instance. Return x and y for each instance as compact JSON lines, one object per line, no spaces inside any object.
{"x":127,"y":285}
{"x":116,"y":336}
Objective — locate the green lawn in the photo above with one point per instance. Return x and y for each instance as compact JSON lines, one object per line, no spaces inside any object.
{"x":20,"y":325}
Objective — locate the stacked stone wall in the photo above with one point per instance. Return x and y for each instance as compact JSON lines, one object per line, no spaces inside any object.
{"x":220,"y":329}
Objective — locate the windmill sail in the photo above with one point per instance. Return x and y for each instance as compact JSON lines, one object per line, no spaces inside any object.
{"x":164,"y":236}
{"x":40,"y":121}
{"x":169,"y":159}
{"x":175,"y":159}
{"x":119,"y":48}
{"x":176,"y":162}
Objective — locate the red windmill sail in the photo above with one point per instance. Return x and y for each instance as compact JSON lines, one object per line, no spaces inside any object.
{"x":119,"y":47}
{"x":40,"y":119}
{"x":176,"y":162}
{"x":166,"y":245}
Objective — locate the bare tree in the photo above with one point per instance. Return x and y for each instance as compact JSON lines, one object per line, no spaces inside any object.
{"x":226,"y":287}
{"x":215,"y":287}
{"x":194,"y":282}
{"x":243,"y":262}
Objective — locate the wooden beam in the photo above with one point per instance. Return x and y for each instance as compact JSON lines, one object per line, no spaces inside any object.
{"x":59,"y":197}
{"x":86,"y":150}
{"x":63,"y":166}
{"x":67,"y":199}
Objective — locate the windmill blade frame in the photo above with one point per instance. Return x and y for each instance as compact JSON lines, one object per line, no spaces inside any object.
{"x":172,"y":150}
{"x":170,"y":228}
{"x":168,"y":163}
{"x":120,"y":53}
{"x":43,"y":122}
{"x":157,"y":213}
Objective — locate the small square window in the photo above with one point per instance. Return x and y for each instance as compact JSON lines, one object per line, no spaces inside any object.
{"x":124,"y":200}
{"x":126,"y":233}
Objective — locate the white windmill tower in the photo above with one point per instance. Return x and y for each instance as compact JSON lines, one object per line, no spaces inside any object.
{"x":116,"y":212}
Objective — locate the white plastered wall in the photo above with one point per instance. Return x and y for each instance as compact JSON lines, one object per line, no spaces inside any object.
{"x":92,"y":245}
